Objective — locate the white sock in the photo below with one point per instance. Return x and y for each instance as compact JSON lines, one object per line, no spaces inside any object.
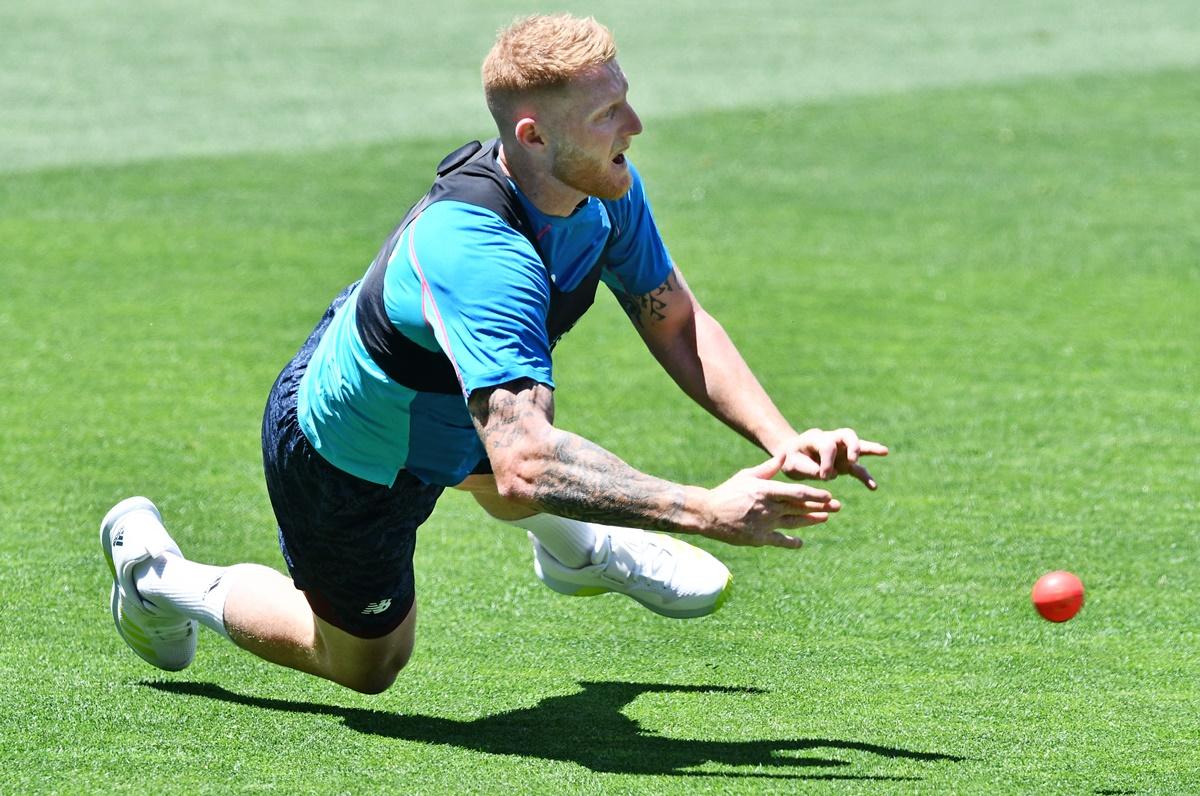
{"x":570,"y":541}
{"x":197,"y":591}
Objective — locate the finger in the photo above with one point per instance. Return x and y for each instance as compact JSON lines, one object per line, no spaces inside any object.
{"x":803,"y":520}
{"x":827,"y":450}
{"x":767,"y":469}
{"x":799,"y":465}
{"x":796,"y":493}
{"x":860,"y":472}
{"x":794,"y":507}
{"x":850,"y":443}
{"x":868,"y":448}
{"x":777,"y":539}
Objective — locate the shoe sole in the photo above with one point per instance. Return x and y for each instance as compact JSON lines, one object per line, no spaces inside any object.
{"x":562,"y":587}
{"x":134,"y":637}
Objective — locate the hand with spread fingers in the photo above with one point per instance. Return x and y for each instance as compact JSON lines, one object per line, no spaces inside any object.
{"x":824,"y":455}
{"x":750,"y":508}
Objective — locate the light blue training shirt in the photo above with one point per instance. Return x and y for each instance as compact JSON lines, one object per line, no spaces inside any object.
{"x":462,"y":280}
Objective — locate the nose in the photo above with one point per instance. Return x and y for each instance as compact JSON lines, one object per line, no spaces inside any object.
{"x":634,"y":123}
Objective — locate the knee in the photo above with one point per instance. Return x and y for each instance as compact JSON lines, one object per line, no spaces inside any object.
{"x":483,"y":489}
{"x":503,"y":509}
{"x":366,"y":665}
{"x":371,"y":682}
{"x":375,"y":676}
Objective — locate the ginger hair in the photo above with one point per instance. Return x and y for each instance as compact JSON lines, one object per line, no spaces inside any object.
{"x":541,"y":53}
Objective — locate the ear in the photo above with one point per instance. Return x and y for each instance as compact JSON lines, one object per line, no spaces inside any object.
{"x":529,"y":134}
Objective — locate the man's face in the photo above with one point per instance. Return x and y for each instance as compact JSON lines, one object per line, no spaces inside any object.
{"x":594,"y":127}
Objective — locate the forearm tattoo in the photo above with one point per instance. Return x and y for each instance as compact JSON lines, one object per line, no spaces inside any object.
{"x":584,"y":481}
{"x":575,"y":478}
{"x":650,"y":307}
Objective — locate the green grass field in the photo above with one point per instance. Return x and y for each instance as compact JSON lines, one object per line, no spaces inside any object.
{"x":972,"y":236}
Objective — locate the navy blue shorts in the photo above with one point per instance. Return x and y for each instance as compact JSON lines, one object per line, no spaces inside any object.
{"x":348,"y":543}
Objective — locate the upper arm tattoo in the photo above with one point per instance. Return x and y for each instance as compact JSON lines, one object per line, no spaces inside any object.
{"x":501,"y":413}
{"x":650,"y":308}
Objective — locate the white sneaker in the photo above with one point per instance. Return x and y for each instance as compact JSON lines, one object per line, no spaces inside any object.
{"x":165,"y":640}
{"x":668,"y":576}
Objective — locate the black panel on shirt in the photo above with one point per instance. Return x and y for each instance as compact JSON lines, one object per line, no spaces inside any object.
{"x":470,"y":174}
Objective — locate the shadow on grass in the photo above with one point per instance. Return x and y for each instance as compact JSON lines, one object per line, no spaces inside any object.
{"x":587,"y":728}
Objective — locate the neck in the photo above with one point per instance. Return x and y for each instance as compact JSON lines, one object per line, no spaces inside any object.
{"x":546,"y":193}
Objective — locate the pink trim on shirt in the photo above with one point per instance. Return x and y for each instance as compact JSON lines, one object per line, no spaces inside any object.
{"x":427,"y":291}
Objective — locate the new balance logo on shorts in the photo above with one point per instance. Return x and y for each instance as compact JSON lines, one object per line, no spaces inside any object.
{"x":379,"y":607}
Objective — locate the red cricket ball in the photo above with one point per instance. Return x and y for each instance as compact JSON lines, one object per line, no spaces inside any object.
{"x":1058,"y":595}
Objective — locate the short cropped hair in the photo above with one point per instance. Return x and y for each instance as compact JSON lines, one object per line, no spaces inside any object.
{"x":542,"y":52}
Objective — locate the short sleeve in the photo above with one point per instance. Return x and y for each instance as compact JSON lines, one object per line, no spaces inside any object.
{"x":638,"y":258}
{"x":484,"y":292}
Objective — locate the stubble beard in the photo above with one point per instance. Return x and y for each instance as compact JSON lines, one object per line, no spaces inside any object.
{"x":577,"y":170}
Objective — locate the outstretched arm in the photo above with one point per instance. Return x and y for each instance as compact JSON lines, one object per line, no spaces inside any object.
{"x":693,"y":347}
{"x":549,"y":469}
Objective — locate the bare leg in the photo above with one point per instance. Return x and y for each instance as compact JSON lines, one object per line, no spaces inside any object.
{"x":483,"y":489}
{"x":570,"y":541}
{"x":268,"y":616}
{"x":584,"y":558}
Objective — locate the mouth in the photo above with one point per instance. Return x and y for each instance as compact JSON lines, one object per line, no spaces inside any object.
{"x":619,"y":159}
